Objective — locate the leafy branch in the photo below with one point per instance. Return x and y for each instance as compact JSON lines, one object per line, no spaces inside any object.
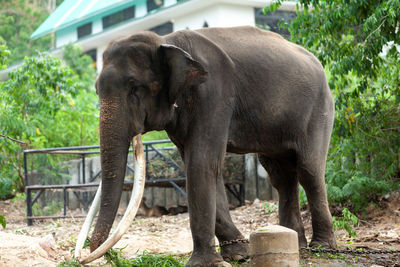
{"x":12,"y":139}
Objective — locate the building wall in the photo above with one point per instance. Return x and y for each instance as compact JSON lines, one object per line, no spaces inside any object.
{"x":69,"y":35}
{"x":99,"y":63}
{"x":97,"y":26}
{"x":65,"y":36}
{"x":222,"y":15}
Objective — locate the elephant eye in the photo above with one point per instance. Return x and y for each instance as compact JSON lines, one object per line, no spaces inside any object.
{"x":133,"y":86}
{"x":133,"y":91}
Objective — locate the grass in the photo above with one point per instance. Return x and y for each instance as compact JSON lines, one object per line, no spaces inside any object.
{"x":114,"y":257}
{"x":70,"y":263}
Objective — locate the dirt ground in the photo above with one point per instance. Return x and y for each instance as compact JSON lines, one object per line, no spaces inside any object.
{"x":49,"y":242}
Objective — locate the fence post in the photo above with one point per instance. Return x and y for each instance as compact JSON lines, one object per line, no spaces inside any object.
{"x":250,"y":177}
{"x":65,"y":201}
{"x":85,"y":195}
{"x":27,"y":192}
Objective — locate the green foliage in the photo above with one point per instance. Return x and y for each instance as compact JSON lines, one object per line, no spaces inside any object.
{"x":19,"y":197}
{"x":359,"y":45}
{"x":155,"y":135}
{"x":346,"y":222}
{"x":80,"y":64}
{"x":6,"y":185}
{"x":350,"y":36}
{"x":18,"y":20}
{"x":70,"y":263}
{"x":51,"y":208}
{"x":270,"y":207}
{"x":302,"y":197}
{"x":114,"y":258}
{"x":3,"y":221}
{"x":4,"y":53}
{"x":354,"y":188}
{"x":45,"y":104}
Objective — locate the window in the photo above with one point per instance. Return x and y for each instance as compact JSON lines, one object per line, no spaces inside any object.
{"x":92,"y":53}
{"x":271,"y":21}
{"x":163,"y":28}
{"x":118,"y":17}
{"x":154,"y":4}
{"x":84,"y":30}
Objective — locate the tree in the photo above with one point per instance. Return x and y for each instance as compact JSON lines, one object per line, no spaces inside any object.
{"x":44,"y":103}
{"x":18,"y":20}
{"x":80,"y":64}
{"x":358,"y":42}
{"x":350,"y":37}
{"x":4,"y":53}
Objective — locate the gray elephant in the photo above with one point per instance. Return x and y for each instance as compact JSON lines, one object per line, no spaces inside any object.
{"x":241,"y":90}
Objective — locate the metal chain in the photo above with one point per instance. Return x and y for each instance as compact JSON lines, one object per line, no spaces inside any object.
{"x":230,"y":242}
{"x":360,"y":251}
{"x":350,"y":251}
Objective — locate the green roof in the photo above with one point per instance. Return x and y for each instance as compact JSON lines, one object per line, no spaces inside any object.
{"x":73,"y":11}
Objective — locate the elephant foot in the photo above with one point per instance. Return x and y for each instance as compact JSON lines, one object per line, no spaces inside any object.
{"x":325,"y":243}
{"x":235,"y":252}
{"x":217,"y":264}
{"x":302,"y":241}
{"x":207,"y":260}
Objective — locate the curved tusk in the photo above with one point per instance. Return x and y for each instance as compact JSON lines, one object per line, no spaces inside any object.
{"x":94,"y":208}
{"x":137,"y":193}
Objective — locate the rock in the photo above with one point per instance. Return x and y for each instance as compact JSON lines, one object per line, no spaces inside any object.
{"x":41,"y":252}
{"x":48,"y":245}
{"x":224,"y":264}
{"x":274,"y":246}
{"x":390,"y":234}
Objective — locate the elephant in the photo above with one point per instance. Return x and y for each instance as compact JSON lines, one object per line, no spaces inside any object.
{"x":217,"y":90}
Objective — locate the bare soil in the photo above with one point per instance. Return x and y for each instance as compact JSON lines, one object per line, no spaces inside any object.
{"x":49,"y":242}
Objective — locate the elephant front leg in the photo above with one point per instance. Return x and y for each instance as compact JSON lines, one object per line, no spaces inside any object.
{"x":201,"y":189}
{"x":225,"y":230}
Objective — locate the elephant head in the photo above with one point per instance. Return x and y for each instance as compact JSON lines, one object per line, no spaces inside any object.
{"x":141,"y":79}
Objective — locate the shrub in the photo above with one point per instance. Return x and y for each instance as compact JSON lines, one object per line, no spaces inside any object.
{"x":346,"y":222}
{"x":45,"y":104}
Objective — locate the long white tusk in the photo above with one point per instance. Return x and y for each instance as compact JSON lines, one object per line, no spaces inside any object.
{"x":94,"y":208}
{"x":137,"y":193}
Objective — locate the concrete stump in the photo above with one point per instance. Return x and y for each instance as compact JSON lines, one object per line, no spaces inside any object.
{"x":274,"y":246}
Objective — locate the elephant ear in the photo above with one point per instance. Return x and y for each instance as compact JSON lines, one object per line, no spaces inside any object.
{"x":184,"y":71}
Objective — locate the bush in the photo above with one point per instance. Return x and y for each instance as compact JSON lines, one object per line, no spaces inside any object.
{"x":355,"y":189}
{"x":45,"y":104}
{"x":346,"y":222}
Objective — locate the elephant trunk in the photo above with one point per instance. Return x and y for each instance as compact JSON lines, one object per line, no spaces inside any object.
{"x":114,"y":147}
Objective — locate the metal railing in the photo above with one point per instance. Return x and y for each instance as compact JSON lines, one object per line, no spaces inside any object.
{"x":151,"y":152}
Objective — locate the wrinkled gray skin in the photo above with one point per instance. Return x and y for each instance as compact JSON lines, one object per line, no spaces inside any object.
{"x":241,"y":90}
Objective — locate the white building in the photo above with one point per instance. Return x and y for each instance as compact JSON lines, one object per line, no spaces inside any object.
{"x":92,"y":24}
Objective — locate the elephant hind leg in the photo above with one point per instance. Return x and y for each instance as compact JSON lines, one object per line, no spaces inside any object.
{"x":282,"y":173}
{"x":312,"y":178}
{"x":225,"y":230}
